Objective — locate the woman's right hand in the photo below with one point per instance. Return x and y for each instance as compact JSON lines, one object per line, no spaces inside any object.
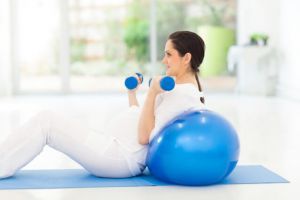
{"x":155,"y":85}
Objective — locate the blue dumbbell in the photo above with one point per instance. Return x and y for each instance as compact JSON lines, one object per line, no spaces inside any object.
{"x":167,"y":83}
{"x":132,"y":82}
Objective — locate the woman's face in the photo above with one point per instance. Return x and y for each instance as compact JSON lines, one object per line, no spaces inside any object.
{"x":173,"y":61}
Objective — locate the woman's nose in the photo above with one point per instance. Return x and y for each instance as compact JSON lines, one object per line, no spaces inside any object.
{"x":164,"y":60}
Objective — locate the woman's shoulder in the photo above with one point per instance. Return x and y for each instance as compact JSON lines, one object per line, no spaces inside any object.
{"x":188,"y":89}
{"x":184,"y":86}
{"x":184,"y":92}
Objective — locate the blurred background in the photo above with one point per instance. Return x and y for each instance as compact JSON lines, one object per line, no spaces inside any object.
{"x":89,"y":46}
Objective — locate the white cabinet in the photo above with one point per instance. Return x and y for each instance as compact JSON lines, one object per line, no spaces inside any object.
{"x":255,"y":68}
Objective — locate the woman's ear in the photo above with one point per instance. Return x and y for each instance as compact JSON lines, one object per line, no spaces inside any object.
{"x":187,"y":58}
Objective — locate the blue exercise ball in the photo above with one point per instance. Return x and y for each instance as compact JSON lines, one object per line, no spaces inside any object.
{"x":195,"y":148}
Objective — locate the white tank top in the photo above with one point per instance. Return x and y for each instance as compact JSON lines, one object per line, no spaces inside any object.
{"x":170,"y":104}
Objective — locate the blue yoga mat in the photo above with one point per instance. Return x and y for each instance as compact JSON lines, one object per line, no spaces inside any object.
{"x":79,"y":178}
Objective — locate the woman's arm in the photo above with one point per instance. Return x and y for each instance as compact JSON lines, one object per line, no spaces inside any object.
{"x":132,"y":98}
{"x":147,"y":119}
{"x":132,"y":93}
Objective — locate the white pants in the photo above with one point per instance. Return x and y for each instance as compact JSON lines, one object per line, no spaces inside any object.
{"x":100,"y":154}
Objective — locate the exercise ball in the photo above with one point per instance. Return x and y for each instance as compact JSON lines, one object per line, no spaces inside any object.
{"x":195,"y":148}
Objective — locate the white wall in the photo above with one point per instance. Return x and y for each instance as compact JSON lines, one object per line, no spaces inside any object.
{"x":289,"y":46}
{"x":280,"y":20}
{"x":5,"y":50}
{"x":257,"y":16}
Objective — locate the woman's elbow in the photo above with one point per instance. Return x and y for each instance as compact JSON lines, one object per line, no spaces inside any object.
{"x":143,"y":141}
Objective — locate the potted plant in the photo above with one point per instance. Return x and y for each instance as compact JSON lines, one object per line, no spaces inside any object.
{"x":259,"y":39}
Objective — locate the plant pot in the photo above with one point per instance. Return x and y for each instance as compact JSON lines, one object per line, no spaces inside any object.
{"x":217,"y":40}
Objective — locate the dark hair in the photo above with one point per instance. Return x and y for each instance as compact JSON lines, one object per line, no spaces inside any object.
{"x":189,"y":42}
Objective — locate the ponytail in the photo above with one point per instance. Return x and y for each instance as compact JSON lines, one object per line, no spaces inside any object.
{"x":199,"y":87}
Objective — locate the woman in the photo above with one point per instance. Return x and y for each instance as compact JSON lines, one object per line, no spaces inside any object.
{"x":121,"y":150}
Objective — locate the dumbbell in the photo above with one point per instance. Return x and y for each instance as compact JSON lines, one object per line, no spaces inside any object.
{"x":132,"y":81}
{"x":167,"y":83}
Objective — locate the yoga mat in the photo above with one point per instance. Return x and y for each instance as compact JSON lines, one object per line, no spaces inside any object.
{"x":79,"y":178}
